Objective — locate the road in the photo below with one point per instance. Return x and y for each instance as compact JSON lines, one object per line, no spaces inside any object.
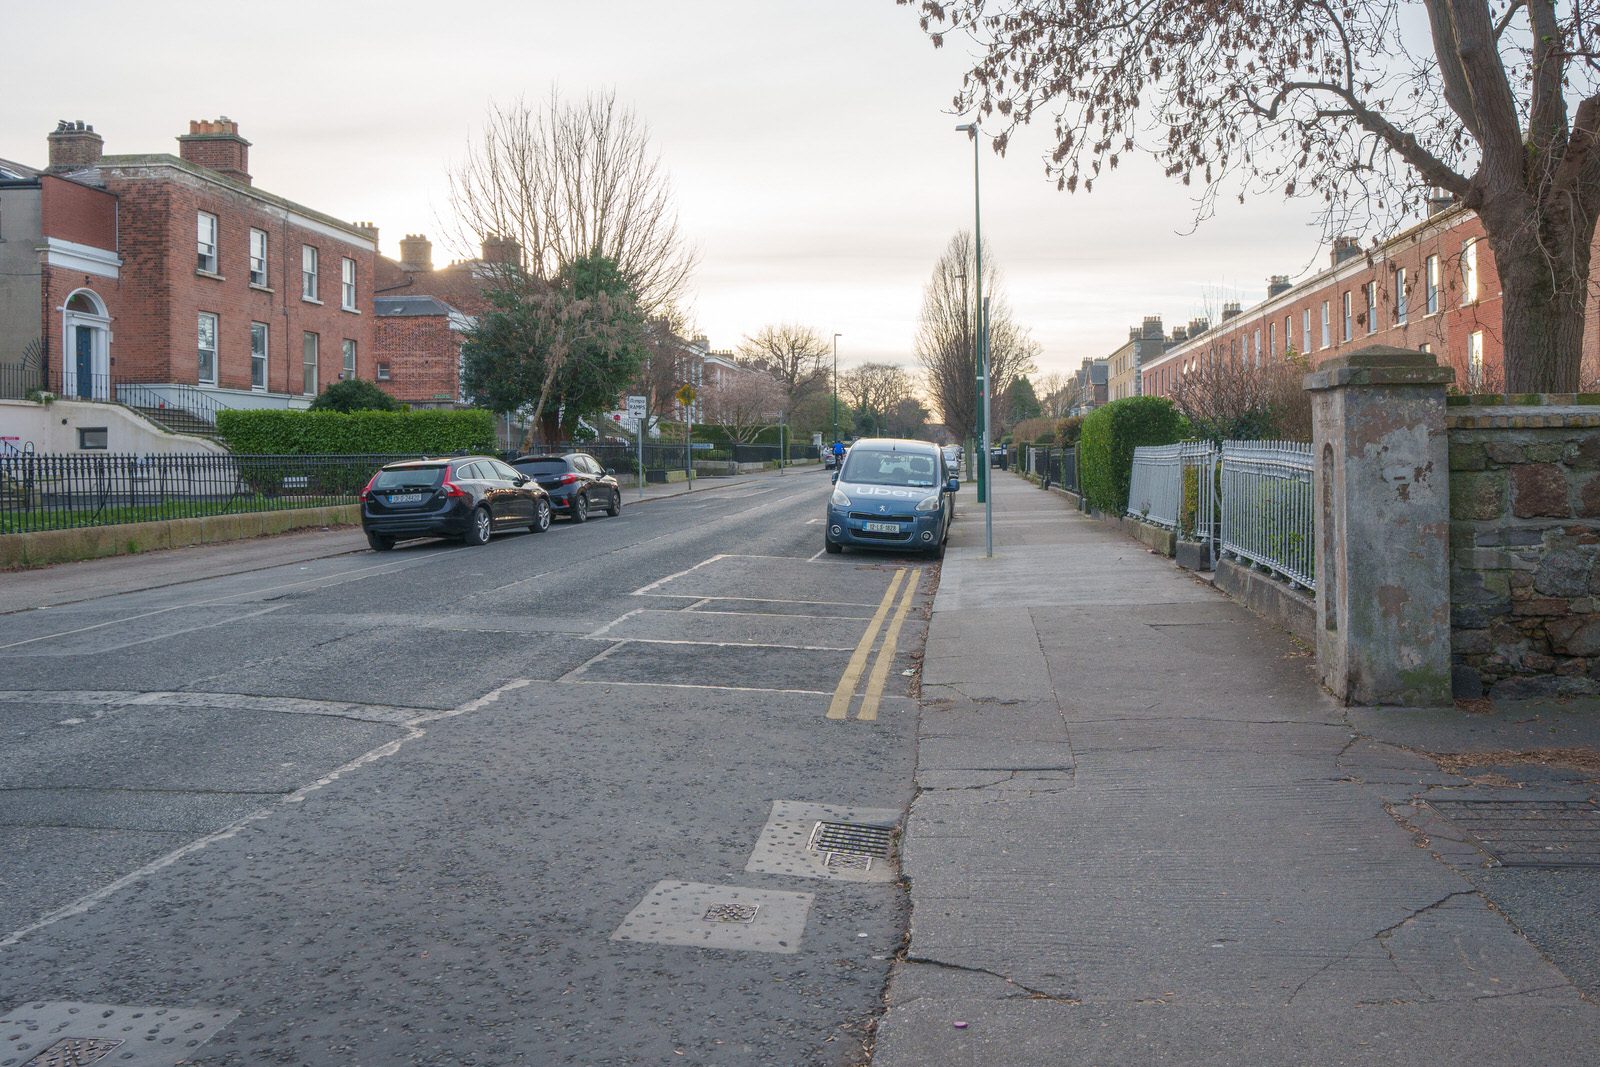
{"x":541,"y":802}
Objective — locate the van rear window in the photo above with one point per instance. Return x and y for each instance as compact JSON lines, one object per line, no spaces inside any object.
{"x":410,"y":478}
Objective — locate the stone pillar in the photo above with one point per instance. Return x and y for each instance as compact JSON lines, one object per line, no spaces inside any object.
{"x":1383,"y":526}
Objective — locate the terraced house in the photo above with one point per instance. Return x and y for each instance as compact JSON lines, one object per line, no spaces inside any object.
{"x":172,"y":283}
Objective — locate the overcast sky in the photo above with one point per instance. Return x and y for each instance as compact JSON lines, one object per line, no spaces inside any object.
{"x":810,"y":147}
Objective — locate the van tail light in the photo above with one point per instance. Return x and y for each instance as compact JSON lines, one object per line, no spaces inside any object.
{"x":366,"y":490}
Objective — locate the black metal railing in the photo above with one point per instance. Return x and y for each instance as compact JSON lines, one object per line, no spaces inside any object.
{"x":64,"y":491}
{"x":658,"y":457}
{"x":158,"y":395}
{"x":17,"y":381}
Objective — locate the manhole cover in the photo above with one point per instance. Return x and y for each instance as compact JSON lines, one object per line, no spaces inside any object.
{"x":732,"y":913}
{"x":74,"y":1052}
{"x":845,"y":861}
{"x":853,"y":839}
{"x":1529,"y":833}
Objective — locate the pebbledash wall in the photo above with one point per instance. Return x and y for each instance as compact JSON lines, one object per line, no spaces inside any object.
{"x":1524,"y":545}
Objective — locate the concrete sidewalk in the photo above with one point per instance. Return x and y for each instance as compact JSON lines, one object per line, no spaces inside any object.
{"x":67,"y":583}
{"x":1143,"y":835}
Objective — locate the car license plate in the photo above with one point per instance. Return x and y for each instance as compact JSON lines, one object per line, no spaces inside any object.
{"x":882,"y":527}
{"x":405,"y":498}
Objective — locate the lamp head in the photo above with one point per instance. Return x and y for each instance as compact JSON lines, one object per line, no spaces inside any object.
{"x":968,"y":127}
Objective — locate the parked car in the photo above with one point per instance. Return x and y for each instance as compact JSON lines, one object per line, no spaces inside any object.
{"x":952,"y":459}
{"x":891,"y":494}
{"x":470,"y":497}
{"x":576,"y":482}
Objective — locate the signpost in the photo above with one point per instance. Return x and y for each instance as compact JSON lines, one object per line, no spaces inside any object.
{"x":639,"y":413}
{"x":686,"y":395}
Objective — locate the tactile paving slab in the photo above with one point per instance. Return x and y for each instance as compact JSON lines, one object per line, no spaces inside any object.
{"x":718,"y":916}
{"x":66,"y":1033}
{"x":817,"y":841}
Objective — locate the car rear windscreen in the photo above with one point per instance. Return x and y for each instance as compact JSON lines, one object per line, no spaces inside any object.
{"x":410,"y":478}
{"x":541,"y":466}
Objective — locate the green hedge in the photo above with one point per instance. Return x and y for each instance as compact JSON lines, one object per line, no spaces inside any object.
{"x":1109,"y":436}
{"x":257,"y":433}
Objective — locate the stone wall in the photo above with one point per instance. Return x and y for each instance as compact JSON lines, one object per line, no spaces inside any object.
{"x":1524,"y":540}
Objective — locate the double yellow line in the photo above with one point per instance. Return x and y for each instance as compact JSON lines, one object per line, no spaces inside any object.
{"x":844,"y":693}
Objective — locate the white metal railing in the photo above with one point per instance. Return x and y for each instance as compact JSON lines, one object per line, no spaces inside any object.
{"x":1174,"y":486}
{"x":1268,"y":515}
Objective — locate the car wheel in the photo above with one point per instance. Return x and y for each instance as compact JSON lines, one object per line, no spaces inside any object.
{"x":541,"y":516}
{"x":580,"y":508}
{"x":833,"y":549}
{"x":615,"y":507}
{"x":379,"y":542}
{"x":478,"y":527}
{"x":937,"y":551}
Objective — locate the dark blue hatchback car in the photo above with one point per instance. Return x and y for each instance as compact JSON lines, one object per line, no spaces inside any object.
{"x":892,"y":494}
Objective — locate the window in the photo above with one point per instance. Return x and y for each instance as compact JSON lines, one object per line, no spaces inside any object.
{"x":208,"y":349}
{"x":93,"y":438}
{"x":1469,"y":272}
{"x":1400,"y":296}
{"x":347,"y":293}
{"x":1433,"y":284}
{"x":1475,"y":359}
{"x":206,"y":243}
{"x":1305,"y":330}
{"x":1288,"y":333}
{"x":1272,"y":341}
{"x":1327,"y":326}
{"x":349,"y":371}
{"x":1372,"y":307}
{"x":258,"y":258}
{"x":308,"y":364}
{"x":308,"y":272}
{"x":383,"y":372}
{"x":1258,"y":346}
{"x":258,"y":356}
{"x":1348,"y":308}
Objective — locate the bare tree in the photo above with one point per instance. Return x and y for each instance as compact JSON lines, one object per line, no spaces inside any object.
{"x":1056,"y":392}
{"x":792,"y":354}
{"x":567,"y":181}
{"x":1228,"y":395}
{"x":1362,"y":104}
{"x":743,"y":403}
{"x":874,"y":390}
{"x":946,"y":335}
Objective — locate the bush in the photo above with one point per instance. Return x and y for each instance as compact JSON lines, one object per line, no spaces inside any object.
{"x":1110,"y":434}
{"x":1068,"y":429}
{"x":256,"y":433}
{"x":354,"y":395}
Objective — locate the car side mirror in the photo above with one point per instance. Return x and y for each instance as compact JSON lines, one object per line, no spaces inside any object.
{"x":521,"y":479}
{"x":953,"y":485}
{"x":835,"y":478}
{"x":611,"y":470}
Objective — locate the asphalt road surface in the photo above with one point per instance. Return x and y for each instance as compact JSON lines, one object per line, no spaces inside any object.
{"x":549,"y":801}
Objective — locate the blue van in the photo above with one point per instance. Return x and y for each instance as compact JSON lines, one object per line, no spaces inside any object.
{"x":891,"y":494}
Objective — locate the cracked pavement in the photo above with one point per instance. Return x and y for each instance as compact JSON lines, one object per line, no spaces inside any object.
{"x":1143,"y":835}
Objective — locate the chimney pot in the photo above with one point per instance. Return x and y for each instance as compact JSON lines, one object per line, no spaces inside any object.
{"x":73,"y":145}
{"x":216,"y":145}
{"x":416,"y":254}
{"x":1345,"y":248}
{"x":1278,"y":283}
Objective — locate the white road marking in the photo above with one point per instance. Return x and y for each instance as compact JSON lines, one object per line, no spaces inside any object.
{"x":659,"y":582}
{"x":768,"y":600}
{"x":685,"y":685}
{"x":413,"y":731}
{"x":727,"y":644}
{"x":586,"y":664}
{"x":613,"y":622}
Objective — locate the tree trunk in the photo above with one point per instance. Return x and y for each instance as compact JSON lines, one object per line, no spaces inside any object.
{"x":1542,"y":305}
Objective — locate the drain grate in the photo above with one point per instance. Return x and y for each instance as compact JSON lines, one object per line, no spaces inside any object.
{"x":846,"y":861}
{"x":1529,"y":833}
{"x":732,"y":913}
{"x":74,"y":1052}
{"x":854,"y":839}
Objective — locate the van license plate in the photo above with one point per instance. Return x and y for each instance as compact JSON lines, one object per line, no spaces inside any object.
{"x":882,"y":527}
{"x":405,"y":498}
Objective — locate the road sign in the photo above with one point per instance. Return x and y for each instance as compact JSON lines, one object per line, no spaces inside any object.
{"x":698,"y":445}
{"x":636,"y":407}
{"x":685,"y":395}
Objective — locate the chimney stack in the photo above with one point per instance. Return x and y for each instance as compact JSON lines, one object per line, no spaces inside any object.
{"x":1152,"y":327}
{"x":502,"y":251}
{"x":216,"y":145}
{"x":1179,"y":334}
{"x":1199,"y":326}
{"x":1439,"y":200}
{"x":416,"y":254}
{"x":1278,"y":283}
{"x":369,"y":230}
{"x":1230,"y":310}
{"x":1345,"y":248}
{"x":73,"y":146}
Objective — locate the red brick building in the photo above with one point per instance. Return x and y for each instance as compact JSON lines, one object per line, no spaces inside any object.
{"x":423,"y":313}
{"x":172,"y":280}
{"x":1433,"y":287}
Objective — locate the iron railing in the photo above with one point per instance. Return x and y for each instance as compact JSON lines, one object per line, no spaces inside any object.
{"x":190,"y":398}
{"x":1053,"y":466}
{"x":1174,"y":486}
{"x":64,"y":491}
{"x":18,"y":380}
{"x":1267,"y":513}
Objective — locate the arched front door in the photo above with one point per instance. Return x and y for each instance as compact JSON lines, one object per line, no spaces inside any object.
{"x":86,"y":347}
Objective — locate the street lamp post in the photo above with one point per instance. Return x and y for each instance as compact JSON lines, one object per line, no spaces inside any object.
{"x":982,"y":345}
{"x":836,"y":385}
